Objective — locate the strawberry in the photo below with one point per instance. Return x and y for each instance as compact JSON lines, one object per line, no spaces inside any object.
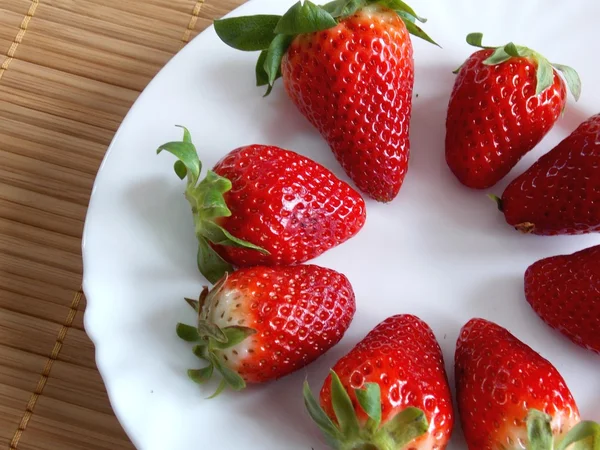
{"x":389,"y":393}
{"x":262,"y":323}
{"x":262,"y":205}
{"x":504,"y":101}
{"x":560,"y":193}
{"x":348,"y":67}
{"x":511,"y":398}
{"x":565,"y":292}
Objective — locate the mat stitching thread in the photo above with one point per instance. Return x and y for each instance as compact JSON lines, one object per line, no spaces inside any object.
{"x":19,"y":37}
{"x":39,"y":389}
{"x":192,"y":23}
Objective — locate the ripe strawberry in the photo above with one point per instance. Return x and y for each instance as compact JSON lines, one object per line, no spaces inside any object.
{"x":565,"y":292}
{"x":560,"y":193}
{"x":263,"y":205}
{"x":262,"y":323}
{"x":504,"y":101}
{"x":511,"y":398}
{"x":348,"y":67}
{"x":389,"y":393}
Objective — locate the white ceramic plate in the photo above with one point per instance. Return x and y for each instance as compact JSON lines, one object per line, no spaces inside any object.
{"x":439,"y":251}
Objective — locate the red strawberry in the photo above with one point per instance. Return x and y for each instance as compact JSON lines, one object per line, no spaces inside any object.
{"x":390,"y":392}
{"x":262,"y":323}
{"x":560,"y":193}
{"x":348,"y":67}
{"x":503,"y":103}
{"x":565,"y":292}
{"x":511,"y":398}
{"x":263,"y":205}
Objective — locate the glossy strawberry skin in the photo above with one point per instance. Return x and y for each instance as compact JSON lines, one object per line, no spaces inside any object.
{"x":565,"y":292}
{"x":287,"y":204}
{"x":498,"y":380}
{"x":560,"y":193}
{"x":298,"y":313}
{"x":494,"y":117}
{"x":402,"y":355}
{"x":354,"y":84}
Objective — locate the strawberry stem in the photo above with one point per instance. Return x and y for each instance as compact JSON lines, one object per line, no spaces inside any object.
{"x":207,"y":200}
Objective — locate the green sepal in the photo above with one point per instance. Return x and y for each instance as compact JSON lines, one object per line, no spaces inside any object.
{"x":208,"y":205}
{"x":201,"y":351}
{"x":317,"y":414}
{"x":571,"y":78}
{"x":369,"y":399}
{"x":220,"y":388}
{"x":347,"y":432}
{"x":544,"y":71}
{"x":212,"y":340}
{"x":342,"y":406}
{"x":539,"y":431}
{"x":274,"y":57}
{"x":220,"y":236}
{"x":305,"y":17}
{"x":406,"y":426}
{"x":188,"y":333}
{"x":344,"y":8}
{"x":247,"y":33}
{"x":498,"y":202}
{"x":417,"y":31}
{"x":262,"y":77}
{"x":234,"y":335}
{"x":232,"y":378}
{"x":586,"y":434}
{"x":200,"y":376}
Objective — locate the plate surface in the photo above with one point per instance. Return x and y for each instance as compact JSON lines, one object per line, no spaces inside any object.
{"x":439,"y":251}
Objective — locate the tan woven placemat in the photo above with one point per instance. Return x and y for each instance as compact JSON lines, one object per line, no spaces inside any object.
{"x":69,"y":71}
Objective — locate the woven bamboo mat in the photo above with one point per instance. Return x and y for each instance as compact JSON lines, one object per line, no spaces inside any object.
{"x":69,"y":71}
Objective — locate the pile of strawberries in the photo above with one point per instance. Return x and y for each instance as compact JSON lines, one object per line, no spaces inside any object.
{"x":348,"y":67}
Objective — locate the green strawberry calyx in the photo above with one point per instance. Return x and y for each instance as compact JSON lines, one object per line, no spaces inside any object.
{"x":586,"y":434}
{"x":272,"y":35}
{"x":544,"y":71}
{"x":208,"y":205}
{"x":347,"y":433}
{"x":210,"y":340}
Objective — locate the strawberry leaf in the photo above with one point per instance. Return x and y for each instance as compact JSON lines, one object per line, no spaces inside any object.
{"x":498,"y":57}
{"x":406,"y":426}
{"x":201,"y":376}
{"x":208,"y":329}
{"x":221,"y":388}
{"x":539,"y":431}
{"x":210,"y":263}
{"x":545,"y":76}
{"x":234,"y":335}
{"x":305,"y":18}
{"x":220,"y":236}
{"x":369,"y":399}
{"x":247,"y":33}
{"x":262,"y":77}
{"x":319,"y":416}
{"x":572,"y":79}
{"x":208,"y":204}
{"x":417,"y":31}
{"x":201,"y":351}
{"x":188,"y":333}
{"x":400,"y":6}
{"x":275,"y":55}
{"x":344,"y":8}
{"x":342,"y":406}
{"x":586,"y":434}
{"x":195,"y":304}
{"x":232,"y":378}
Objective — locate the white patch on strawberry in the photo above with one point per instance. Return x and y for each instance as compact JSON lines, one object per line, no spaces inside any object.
{"x":228,"y":309}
